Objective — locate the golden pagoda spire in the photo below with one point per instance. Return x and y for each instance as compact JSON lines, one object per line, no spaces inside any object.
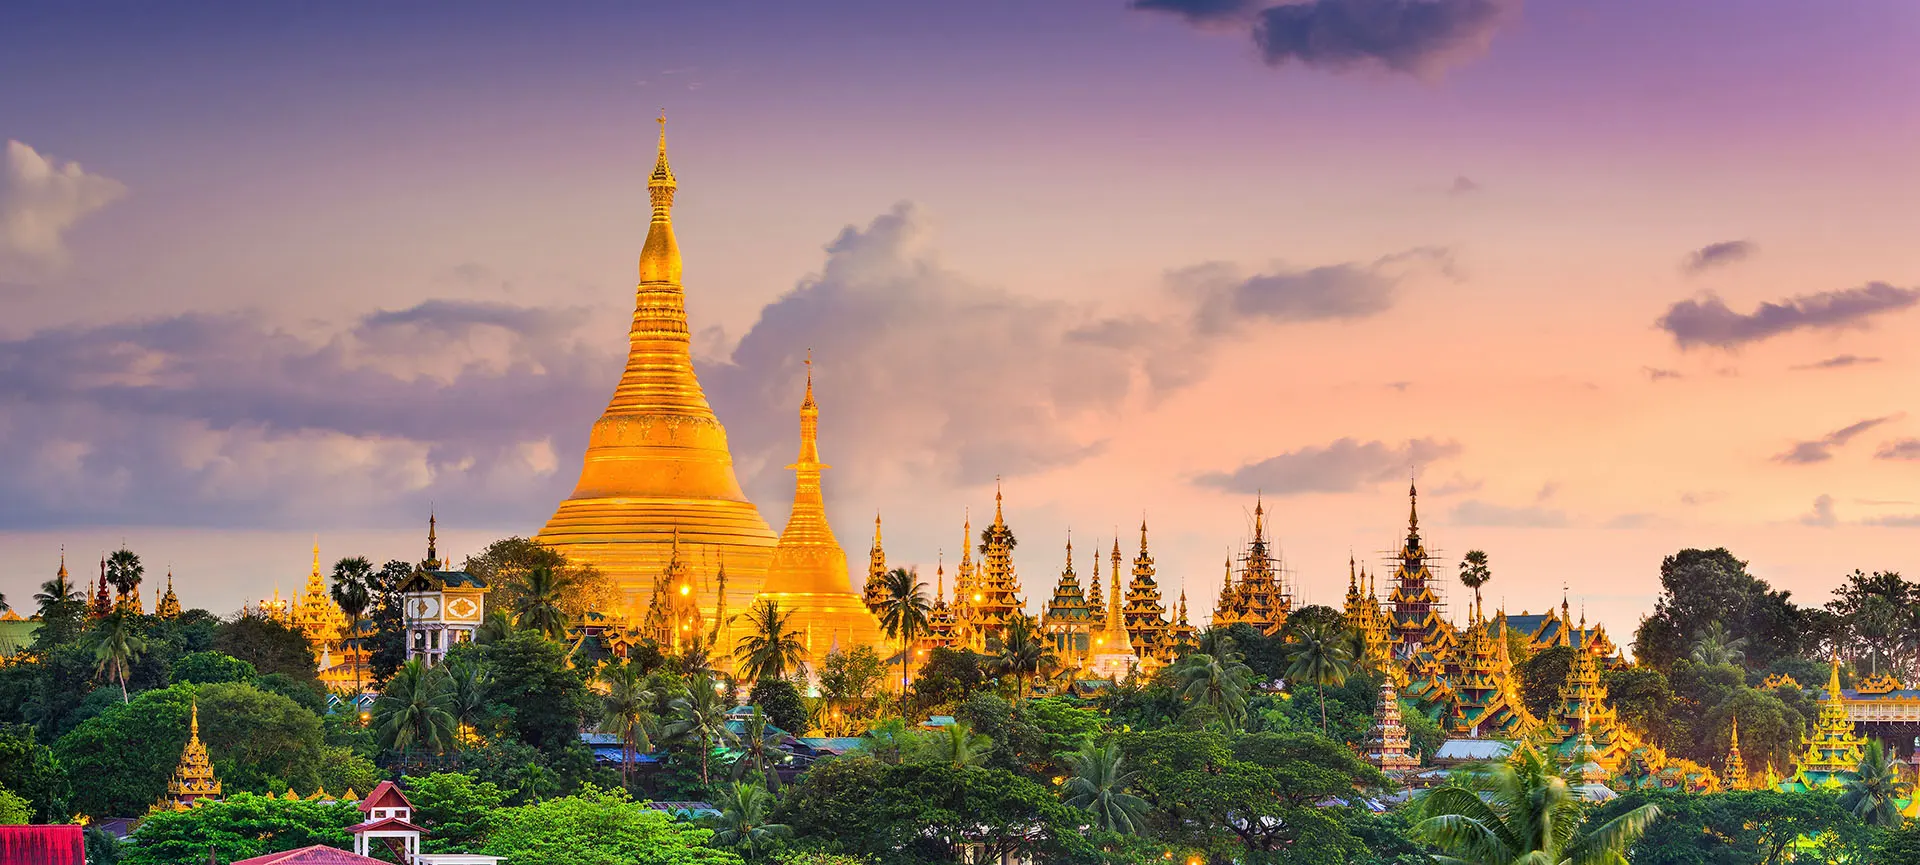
{"x":1413,"y":510}
{"x":1734,"y":775}
{"x":193,"y":779}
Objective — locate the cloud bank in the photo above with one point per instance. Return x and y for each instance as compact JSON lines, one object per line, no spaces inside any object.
{"x":1342,"y":466}
{"x":1821,"y":449}
{"x":1417,"y":37}
{"x":1708,"y":321}
{"x":1718,"y":254}
{"x":40,"y":200}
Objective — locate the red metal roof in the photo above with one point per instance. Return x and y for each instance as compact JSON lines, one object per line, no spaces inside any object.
{"x":385,"y":795}
{"x":385,"y":823}
{"x":318,"y":854}
{"x":42,"y":845}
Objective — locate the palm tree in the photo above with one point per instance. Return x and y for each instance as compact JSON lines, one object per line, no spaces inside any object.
{"x":1099,"y":787}
{"x":904,"y":614}
{"x":1023,"y":652}
{"x":957,"y":745}
{"x":890,"y":742}
{"x":124,"y":571}
{"x":771,"y":649}
{"x":745,"y":822}
{"x":696,"y":657}
{"x":415,"y":708}
{"x":117,"y":644}
{"x":470,"y":680}
{"x":1218,"y":682}
{"x":61,"y":605}
{"x":493,"y":627}
{"x":538,"y":605}
{"x":700,"y":717}
{"x":1521,"y":812}
{"x":760,"y":750}
{"x":628,"y":706}
{"x":1715,"y":647}
{"x":1474,"y":573}
{"x":351,"y":594}
{"x":1322,"y":654}
{"x":1874,"y":792}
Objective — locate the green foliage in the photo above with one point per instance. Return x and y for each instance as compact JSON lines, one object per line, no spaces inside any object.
{"x":923,"y":812}
{"x":1099,"y":786}
{"x":103,"y":848}
{"x":1541,"y":677}
{"x":948,"y":678}
{"x":240,"y":827}
{"x":206,"y":668}
{"x":1522,"y":811}
{"x":1424,"y":734}
{"x":457,"y":810}
{"x":415,"y":709}
{"x":33,"y":773}
{"x":1065,"y":726}
{"x":1320,"y":651}
{"x":1643,"y":697}
{"x":1898,"y":847}
{"x":850,"y":681}
{"x":258,"y":740}
{"x":342,"y":769}
{"x":599,"y":827}
{"x":1874,"y":793}
{"x":1701,"y":587}
{"x":271,"y":647}
{"x":699,"y":722}
{"x":773,"y":647}
{"x":1219,"y":684}
{"x":14,"y":809}
{"x":1018,"y":744}
{"x":118,"y":642}
{"x":781,"y":701}
{"x":1739,"y":828}
{"x":745,"y":822}
{"x":545,"y":702}
{"x":903,"y":613}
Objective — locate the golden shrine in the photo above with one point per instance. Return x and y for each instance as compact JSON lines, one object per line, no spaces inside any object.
{"x":1260,"y":599}
{"x":1068,"y":617}
{"x":657,"y":482}
{"x":315,"y":615}
{"x":193,"y":779}
{"x":1833,"y":748}
{"x":808,"y":572}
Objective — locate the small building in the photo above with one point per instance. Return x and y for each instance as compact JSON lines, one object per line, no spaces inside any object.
{"x":442,"y":607}
{"x":389,"y":819}
{"x":42,"y":845}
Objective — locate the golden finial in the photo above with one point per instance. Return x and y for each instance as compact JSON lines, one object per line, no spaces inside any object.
{"x":876,"y":530}
{"x":662,"y":177}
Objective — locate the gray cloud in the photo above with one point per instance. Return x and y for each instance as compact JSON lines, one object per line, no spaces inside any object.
{"x":1342,"y":466}
{"x":1463,"y":185}
{"x":40,"y":200}
{"x":1899,"y":449}
{"x":1822,"y":515}
{"x":1708,"y":321}
{"x":1895,"y":521}
{"x":1474,"y":512}
{"x":1821,"y":449}
{"x":1717,"y":254}
{"x":1417,"y":37}
{"x":1839,"y":361}
{"x":227,"y":420}
{"x":1658,"y":374}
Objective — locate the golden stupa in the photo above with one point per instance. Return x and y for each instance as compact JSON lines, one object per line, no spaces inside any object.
{"x":657,"y":461}
{"x":808,"y":576}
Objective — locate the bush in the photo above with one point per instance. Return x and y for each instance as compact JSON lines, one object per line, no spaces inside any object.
{"x":780,"y":700}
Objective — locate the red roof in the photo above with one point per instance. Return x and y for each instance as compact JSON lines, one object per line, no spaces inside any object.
{"x":42,"y":845}
{"x":385,"y":823}
{"x":318,"y":854}
{"x":385,"y":795}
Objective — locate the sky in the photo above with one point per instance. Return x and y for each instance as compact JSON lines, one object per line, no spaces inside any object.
{"x":1611,"y":280}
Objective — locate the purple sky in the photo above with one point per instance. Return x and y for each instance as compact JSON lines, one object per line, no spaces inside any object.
{"x":1620,"y":277}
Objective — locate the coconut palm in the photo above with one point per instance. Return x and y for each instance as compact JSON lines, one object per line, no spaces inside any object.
{"x":117,"y":644}
{"x":699,"y":717}
{"x":1217,"y":682}
{"x":470,"y":681}
{"x":1099,"y":787}
{"x":745,"y":822}
{"x":1023,"y":652}
{"x":772,"y":649}
{"x":416,"y":708}
{"x":696,"y":657}
{"x":1716,"y":647}
{"x":1521,"y":812}
{"x":628,"y":712}
{"x":1474,"y":573}
{"x":351,"y":595}
{"x":495,"y":626}
{"x":124,"y":571}
{"x":61,"y":604}
{"x":760,"y":750}
{"x":904,"y":614}
{"x":1320,"y":653}
{"x":537,"y":605}
{"x":957,"y":745}
{"x":1873,"y":793}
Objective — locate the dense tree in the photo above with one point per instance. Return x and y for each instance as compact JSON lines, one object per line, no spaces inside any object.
{"x":1897,"y":847}
{"x":1018,"y":744}
{"x":241,"y":826}
{"x":387,"y":640}
{"x":1714,"y":647}
{"x":206,"y":668}
{"x":1749,"y":827}
{"x":957,"y":745}
{"x":1642,"y":696}
{"x":547,"y":701}
{"x":539,"y":605}
{"x":903,"y":613}
{"x":1541,"y":677}
{"x":759,"y":744}
{"x":1025,"y":653}
{"x":33,"y":773}
{"x":1699,"y":587}
{"x":927,"y":812}
{"x":1521,"y":812}
{"x":599,"y":827}
{"x":1219,"y":684}
{"x":1874,"y":792}
{"x":850,"y":683}
{"x":780,"y":699}
{"x":508,"y":564}
{"x":699,"y":719}
{"x":1874,"y":621}
{"x":626,"y":710}
{"x":457,"y":810}
{"x":948,"y":678}
{"x":772,"y":647}
{"x":269,"y":645}
{"x":415,"y":710}
{"x":15,"y":810}
{"x":1099,"y":785}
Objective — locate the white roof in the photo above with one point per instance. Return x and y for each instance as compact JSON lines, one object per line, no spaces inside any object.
{"x":1473,"y":749}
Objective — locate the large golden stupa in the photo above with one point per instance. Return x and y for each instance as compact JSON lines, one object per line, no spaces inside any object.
{"x":657,"y":462}
{"x":808,"y":576}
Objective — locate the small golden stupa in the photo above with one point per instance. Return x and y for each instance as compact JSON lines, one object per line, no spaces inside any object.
{"x":193,"y":780}
{"x":808,"y":575}
{"x":657,"y":460}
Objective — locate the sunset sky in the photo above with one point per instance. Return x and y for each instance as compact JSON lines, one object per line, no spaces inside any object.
{"x":1613,"y":278}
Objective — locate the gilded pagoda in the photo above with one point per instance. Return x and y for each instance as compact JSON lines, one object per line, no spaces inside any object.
{"x":657,"y":476}
{"x":1386,"y":746}
{"x":193,"y":779}
{"x":1260,"y":598}
{"x":1068,"y":617}
{"x":1833,"y":748}
{"x":1417,"y":625}
{"x":1145,"y":614}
